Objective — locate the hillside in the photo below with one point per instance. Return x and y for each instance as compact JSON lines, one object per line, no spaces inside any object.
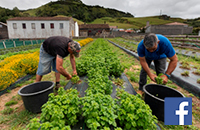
{"x":75,"y":9}
{"x":135,"y":23}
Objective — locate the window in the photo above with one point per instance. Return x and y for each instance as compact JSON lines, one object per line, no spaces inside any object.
{"x":33,"y":25}
{"x":1,"y":26}
{"x":52,"y":25}
{"x":14,"y":25}
{"x":42,"y":26}
{"x":61,"y":26}
{"x":23,"y":25}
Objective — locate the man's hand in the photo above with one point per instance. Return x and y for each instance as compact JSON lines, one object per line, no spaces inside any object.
{"x":165,"y":79}
{"x":74,"y":73}
{"x":69,"y":77}
{"x":152,"y":77}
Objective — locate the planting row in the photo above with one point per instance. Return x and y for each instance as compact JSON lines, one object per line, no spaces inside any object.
{"x":16,"y":66}
{"x":98,"y":108}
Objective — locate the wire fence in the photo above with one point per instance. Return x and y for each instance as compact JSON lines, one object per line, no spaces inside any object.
{"x":10,"y":43}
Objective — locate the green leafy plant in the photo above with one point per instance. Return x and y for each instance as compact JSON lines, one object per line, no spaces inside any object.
{"x":75,"y":79}
{"x":198,"y":81}
{"x":159,"y":79}
{"x":185,"y":66}
{"x":117,"y":81}
{"x":64,"y":106}
{"x":197,"y":72}
{"x":133,"y":113}
{"x":60,"y":110}
{"x":55,"y":125}
{"x":99,"y":111}
{"x":185,"y":73}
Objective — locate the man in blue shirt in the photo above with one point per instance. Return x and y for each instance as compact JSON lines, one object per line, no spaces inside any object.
{"x":157,"y":48}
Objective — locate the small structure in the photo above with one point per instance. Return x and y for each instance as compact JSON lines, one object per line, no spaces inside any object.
{"x":94,"y":30}
{"x":113,"y":28}
{"x":3,"y":31}
{"x":76,"y":30}
{"x":40,"y":27}
{"x":170,"y":29}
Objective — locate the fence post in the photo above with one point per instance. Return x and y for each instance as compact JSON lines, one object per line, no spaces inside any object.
{"x":24,"y":43}
{"x":14,"y":43}
{"x":4,"y":44}
{"x":31,"y":42}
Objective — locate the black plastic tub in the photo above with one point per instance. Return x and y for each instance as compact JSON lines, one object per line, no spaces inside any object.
{"x":35,"y":95}
{"x":155,"y":95}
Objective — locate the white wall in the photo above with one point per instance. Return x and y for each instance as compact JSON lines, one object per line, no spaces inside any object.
{"x":38,"y":32}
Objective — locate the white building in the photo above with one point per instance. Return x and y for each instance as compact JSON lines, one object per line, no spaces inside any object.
{"x":40,"y":27}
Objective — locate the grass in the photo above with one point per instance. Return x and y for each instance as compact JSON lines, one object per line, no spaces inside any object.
{"x":135,"y":23}
{"x":11,"y":102}
{"x":7,"y":111}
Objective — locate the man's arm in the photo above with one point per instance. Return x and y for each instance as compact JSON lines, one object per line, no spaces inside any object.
{"x":172,"y":64}
{"x":146,"y":68}
{"x":171,"y":67}
{"x":59,"y":67}
{"x":73,"y":63}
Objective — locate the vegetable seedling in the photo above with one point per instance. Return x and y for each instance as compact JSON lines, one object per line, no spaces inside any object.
{"x":75,"y":79}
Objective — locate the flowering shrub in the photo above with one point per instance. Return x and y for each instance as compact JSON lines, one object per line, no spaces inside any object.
{"x":17,"y":66}
{"x":7,"y":77}
{"x":85,"y":41}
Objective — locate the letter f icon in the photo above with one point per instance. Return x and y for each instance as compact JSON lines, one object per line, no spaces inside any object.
{"x":181,"y":112}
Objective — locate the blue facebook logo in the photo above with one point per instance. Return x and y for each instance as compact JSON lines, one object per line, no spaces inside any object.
{"x":178,"y":111}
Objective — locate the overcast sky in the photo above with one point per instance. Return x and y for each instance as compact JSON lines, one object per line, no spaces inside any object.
{"x":139,"y":8}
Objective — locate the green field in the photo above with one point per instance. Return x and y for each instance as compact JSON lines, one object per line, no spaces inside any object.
{"x":135,"y":23}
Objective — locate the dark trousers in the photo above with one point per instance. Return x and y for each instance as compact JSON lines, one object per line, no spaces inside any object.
{"x":160,"y":66}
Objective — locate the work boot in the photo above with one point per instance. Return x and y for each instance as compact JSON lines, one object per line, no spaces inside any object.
{"x":57,"y":87}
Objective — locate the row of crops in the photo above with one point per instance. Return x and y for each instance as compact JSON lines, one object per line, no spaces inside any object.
{"x":20,"y":64}
{"x":19,"y":49}
{"x":97,"y":107}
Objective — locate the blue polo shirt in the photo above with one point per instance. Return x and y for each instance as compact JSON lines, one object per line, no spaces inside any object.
{"x":163,"y":50}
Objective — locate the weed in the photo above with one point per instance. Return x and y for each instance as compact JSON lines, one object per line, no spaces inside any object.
{"x":11,"y":102}
{"x":191,"y":95}
{"x":7,"y":111}
{"x":172,"y":86}
{"x":134,"y":79}
{"x":8,"y":91}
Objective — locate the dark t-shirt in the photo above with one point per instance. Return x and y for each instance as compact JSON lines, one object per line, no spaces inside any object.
{"x":57,"y":45}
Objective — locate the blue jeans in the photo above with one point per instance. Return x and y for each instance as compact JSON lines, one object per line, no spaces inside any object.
{"x":46,"y":62}
{"x":160,"y":66}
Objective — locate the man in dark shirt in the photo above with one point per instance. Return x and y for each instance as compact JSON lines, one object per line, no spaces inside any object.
{"x":52,"y":52}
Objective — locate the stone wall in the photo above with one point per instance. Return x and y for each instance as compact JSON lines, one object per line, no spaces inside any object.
{"x":169,"y":29}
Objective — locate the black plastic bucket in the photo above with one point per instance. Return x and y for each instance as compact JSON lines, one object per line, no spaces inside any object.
{"x":155,"y":95}
{"x":35,"y":95}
